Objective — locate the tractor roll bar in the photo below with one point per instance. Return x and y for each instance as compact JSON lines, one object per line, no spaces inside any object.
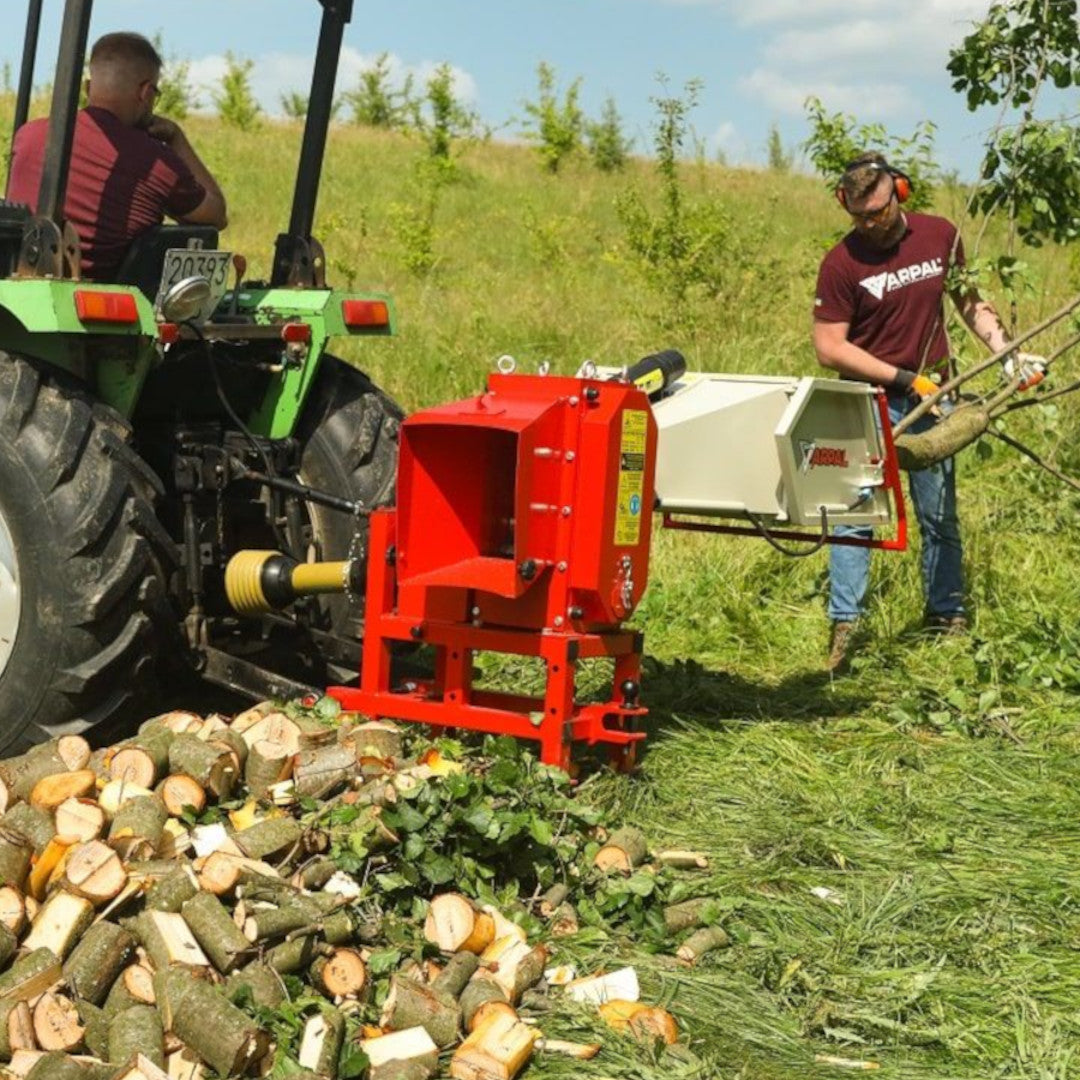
{"x":293,"y":255}
{"x":65,"y":104}
{"x":26,"y":69}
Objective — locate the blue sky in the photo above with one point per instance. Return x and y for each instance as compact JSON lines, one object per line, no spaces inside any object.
{"x":878,"y":59}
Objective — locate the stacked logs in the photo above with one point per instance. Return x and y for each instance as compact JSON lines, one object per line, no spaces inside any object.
{"x":128,"y":932}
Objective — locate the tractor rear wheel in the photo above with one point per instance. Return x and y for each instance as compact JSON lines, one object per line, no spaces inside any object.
{"x":83,"y":603}
{"x":349,"y":434}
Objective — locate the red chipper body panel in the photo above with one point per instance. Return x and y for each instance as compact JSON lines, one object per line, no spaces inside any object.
{"x":522,"y":526}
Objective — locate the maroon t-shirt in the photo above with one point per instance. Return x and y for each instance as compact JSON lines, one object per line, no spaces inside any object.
{"x":121,"y":183}
{"x":892,"y":299}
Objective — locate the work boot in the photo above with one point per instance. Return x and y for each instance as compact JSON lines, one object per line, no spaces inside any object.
{"x":840,"y":647}
{"x":947,"y":625}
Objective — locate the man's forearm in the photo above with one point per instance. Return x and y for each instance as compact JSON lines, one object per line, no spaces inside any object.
{"x":985,"y":323}
{"x":855,"y":363}
{"x":186,"y":153}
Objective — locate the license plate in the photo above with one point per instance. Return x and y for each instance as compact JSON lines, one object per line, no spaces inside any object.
{"x":181,"y":263}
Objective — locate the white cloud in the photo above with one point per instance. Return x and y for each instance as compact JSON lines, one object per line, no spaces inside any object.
{"x":787,"y":95}
{"x":274,"y":74}
{"x":728,"y":141}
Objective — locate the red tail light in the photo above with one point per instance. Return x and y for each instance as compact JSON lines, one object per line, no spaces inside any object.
{"x":105,"y":307}
{"x":365,"y":313}
{"x":293,"y":332}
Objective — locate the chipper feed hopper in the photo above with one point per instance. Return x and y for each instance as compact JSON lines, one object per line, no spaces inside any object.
{"x":523,"y":522}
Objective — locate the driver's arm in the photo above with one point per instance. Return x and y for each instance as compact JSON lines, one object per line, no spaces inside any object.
{"x":212,"y":210}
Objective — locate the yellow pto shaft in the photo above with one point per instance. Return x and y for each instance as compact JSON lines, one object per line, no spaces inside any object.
{"x":257,"y":582}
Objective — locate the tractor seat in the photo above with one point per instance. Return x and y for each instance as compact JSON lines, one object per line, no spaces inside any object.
{"x":144,"y":259}
{"x":13,"y":217}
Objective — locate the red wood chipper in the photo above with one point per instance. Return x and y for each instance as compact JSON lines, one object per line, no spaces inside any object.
{"x":523,"y":521}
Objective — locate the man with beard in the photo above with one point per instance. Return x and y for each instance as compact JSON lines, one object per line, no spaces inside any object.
{"x":879,"y":317}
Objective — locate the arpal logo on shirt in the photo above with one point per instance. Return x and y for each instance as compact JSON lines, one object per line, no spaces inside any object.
{"x":877,"y":285}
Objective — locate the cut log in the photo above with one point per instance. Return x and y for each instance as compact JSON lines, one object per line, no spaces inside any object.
{"x":275,"y":727}
{"x":625,"y":849}
{"x":211,"y":766}
{"x":454,"y":924}
{"x":184,"y":1064}
{"x":497,"y":1050}
{"x":16,"y":1028}
{"x":16,"y":851}
{"x":267,"y":764}
{"x":65,"y":754}
{"x":646,"y":1022}
{"x":80,"y":820}
{"x":342,"y":974}
{"x":259,"y":981}
{"x":57,"y":1065}
{"x":553,"y":899}
{"x":140,"y":1068}
{"x":97,"y":961}
{"x":93,"y":870}
{"x":411,"y":1005}
{"x":315,"y":873}
{"x":480,"y":990}
{"x":702,"y":941}
{"x":408,"y":1053}
{"x":56,"y":1023}
{"x":223,"y":1036}
{"x":168,"y":940}
{"x":292,"y":956}
{"x":683,"y":860}
{"x":95,"y":1028}
{"x":135,"y":986}
{"x":35,"y":824}
{"x":215,"y":931}
{"x":451,"y":981}
{"x":596,"y":989}
{"x":50,"y":791}
{"x":175,"y":840}
{"x":516,"y":970}
{"x":62,"y":920}
{"x":320,"y":1046}
{"x":270,"y":839}
{"x":12,"y":909}
{"x":221,"y":872}
{"x":31,"y":975}
{"x":246,"y":719}
{"x":321,"y":771}
{"x":581,"y":1051}
{"x":376,"y":738}
{"x":564,"y":921}
{"x":212,"y":726}
{"x":227,"y":739}
{"x":137,"y":1030}
{"x":118,"y":792}
{"x":45,"y":865}
{"x":170,"y":892}
{"x":144,"y":759}
{"x":182,"y":794}
{"x":137,"y":826}
{"x":177,"y":721}
{"x":687,"y":914}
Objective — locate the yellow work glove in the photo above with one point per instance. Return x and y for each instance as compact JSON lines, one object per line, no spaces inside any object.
{"x":1027,"y":367}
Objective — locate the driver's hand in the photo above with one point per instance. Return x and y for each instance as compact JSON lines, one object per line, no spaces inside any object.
{"x":163,"y":129}
{"x":1027,"y":367}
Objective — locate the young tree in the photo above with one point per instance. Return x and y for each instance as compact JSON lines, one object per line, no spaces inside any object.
{"x":440,"y":118}
{"x":236,"y":104}
{"x":375,"y":102}
{"x":555,"y":126}
{"x":608,"y":146}
{"x":294,"y":105}
{"x":780,"y":158}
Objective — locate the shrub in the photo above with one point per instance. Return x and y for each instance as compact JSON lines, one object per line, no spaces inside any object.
{"x":557,"y":127}
{"x":608,"y":146}
{"x":236,"y":104}
{"x":375,"y":103}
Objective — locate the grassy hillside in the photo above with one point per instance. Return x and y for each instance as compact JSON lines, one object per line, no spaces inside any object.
{"x":931,"y":798}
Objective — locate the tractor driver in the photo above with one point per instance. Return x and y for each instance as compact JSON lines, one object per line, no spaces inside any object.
{"x":129,"y":167}
{"x":879,"y":318}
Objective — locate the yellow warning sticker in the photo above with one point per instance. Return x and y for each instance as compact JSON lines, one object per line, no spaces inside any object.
{"x":629,"y":509}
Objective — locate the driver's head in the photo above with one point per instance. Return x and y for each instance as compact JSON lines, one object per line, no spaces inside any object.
{"x":124,"y":73}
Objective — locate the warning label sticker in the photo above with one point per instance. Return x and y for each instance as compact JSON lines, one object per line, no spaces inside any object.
{"x":631,"y":477}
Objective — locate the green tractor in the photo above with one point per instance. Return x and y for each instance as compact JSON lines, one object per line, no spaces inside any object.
{"x":152,"y":427}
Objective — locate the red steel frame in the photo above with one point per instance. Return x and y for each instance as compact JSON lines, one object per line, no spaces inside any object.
{"x":892,"y":483}
{"x":449,"y":700}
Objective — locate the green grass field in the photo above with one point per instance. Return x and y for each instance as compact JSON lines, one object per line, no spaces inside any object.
{"x":934,"y":792}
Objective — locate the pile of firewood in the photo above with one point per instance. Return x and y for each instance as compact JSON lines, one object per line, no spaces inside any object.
{"x":135,"y":942}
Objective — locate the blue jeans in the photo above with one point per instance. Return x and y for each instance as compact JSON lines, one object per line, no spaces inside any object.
{"x":933,"y":494}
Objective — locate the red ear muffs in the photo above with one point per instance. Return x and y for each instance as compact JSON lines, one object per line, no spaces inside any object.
{"x":901,"y":181}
